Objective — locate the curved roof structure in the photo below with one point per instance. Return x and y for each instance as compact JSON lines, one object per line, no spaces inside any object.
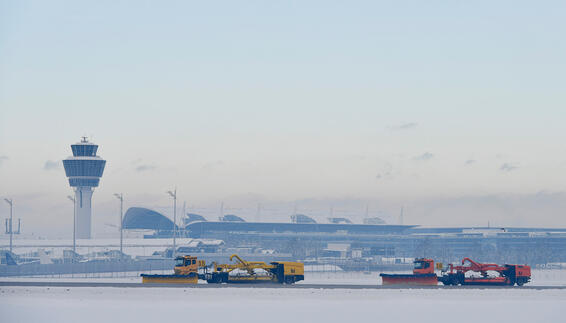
{"x":301,"y":218}
{"x":142,"y":218}
{"x":340,"y":220}
{"x":375,"y":220}
{"x":197,"y":229}
{"x":231,"y":218}
{"x":192,"y":217}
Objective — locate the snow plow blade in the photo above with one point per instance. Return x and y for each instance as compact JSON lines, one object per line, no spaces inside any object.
{"x":169,"y":279}
{"x":409,"y":279}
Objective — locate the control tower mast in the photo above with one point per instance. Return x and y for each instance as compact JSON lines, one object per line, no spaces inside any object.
{"x":84,"y":170}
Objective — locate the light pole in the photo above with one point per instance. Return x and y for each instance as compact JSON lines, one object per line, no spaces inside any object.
{"x":174,"y":196}
{"x":74,"y":223}
{"x":9,"y":201}
{"x":121,"y":198}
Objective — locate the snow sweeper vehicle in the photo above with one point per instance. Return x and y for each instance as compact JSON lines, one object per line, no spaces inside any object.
{"x":188,"y":270}
{"x":250,"y":272}
{"x":468,"y":273}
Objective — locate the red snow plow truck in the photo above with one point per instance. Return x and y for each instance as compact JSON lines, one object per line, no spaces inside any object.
{"x":469,"y":273}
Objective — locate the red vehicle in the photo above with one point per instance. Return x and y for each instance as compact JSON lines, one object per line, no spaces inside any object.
{"x":507,"y":275}
{"x":423,"y":274}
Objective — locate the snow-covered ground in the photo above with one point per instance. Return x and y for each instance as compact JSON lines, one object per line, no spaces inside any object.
{"x":538,"y":277}
{"x":105,"y":304}
{"x":42,"y":304}
{"x":547,"y":277}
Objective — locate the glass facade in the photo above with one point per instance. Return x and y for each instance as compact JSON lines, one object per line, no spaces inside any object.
{"x":91,"y":182}
{"x":84,"y":150}
{"x":77,"y":167}
{"x":84,"y":169}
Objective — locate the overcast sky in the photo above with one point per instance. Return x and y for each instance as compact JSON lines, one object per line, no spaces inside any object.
{"x":455,"y":109}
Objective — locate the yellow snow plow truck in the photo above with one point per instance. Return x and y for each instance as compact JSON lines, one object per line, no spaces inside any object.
{"x":188,"y":270}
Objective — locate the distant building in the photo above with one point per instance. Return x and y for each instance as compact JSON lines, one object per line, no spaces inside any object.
{"x":191,"y":217}
{"x":201,"y":245}
{"x":84,"y":170}
{"x":374,"y":221}
{"x":139,"y":218}
{"x":231,"y":218}
{"x":367,"y":243}
{"x":301,"y":218}
{"x":340,"y":220}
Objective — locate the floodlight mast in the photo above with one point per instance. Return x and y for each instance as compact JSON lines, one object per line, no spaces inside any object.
{"x":74,"y":223}
{"x":174,"y":196}
{"x":11,"y":202}
{"x":120,"y":196}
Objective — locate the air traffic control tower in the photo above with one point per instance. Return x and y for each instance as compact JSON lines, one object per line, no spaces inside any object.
{"x":84,"y":170}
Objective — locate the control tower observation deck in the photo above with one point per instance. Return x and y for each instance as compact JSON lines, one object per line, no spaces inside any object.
{"x":84,"y":170}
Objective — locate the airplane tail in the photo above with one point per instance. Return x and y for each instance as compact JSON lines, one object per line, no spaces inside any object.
{"x":10,"y":260}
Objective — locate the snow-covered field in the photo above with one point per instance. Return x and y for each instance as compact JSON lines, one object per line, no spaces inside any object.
{"x":539,"y":277}
{"x":42,"y":304}
{"x":106,"y":304}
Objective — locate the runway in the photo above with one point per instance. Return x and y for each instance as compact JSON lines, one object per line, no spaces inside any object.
{"x":296,"y":286}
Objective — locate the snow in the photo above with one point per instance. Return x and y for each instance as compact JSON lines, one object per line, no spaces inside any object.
{"x":539,"y":277}
{"x":132,"y":247}
{"x":273,"y":305}
{"x":101,"y":304}
{"x":60,"y":304}
{"x":546,"y":277}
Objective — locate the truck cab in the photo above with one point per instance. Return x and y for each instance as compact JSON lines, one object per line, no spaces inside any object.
{"x":423,"y":266}
{"x":184,"y":265}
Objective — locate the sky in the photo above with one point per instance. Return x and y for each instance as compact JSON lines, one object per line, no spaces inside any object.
{"x":453,"y":110}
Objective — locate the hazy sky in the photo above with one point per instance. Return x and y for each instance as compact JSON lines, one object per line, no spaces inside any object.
{"x":443,"y":103}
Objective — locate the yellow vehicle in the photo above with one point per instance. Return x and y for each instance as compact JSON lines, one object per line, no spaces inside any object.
{"x":187,"y":269}
{"x":186,"y":272}
{"x":282,"y":272}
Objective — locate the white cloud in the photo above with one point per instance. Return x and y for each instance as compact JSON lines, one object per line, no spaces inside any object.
{"x":51,"y":165}
{"x":405,"y":126}
{"x":143,"y":168}
{"x":423,"y":157}
{"x":507,"y":167}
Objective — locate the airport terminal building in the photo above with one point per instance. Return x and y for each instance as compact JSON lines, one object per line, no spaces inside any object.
{"x":362,"y":244}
